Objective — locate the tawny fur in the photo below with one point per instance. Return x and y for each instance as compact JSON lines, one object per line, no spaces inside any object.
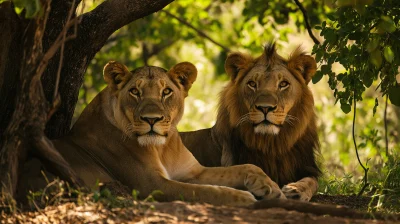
{"x":286,"y":157}
{"x":128,"y":133}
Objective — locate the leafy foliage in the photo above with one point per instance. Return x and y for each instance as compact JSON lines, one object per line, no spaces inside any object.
{"x":363,"y":37}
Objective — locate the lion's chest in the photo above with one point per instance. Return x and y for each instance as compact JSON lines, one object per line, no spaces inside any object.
{"x":176,"y":163}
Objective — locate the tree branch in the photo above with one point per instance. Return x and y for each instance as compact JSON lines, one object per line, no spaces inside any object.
{"x":201,"y":33}
{"x":111,"y":15}
{"x":386,"y":129}
{"x":365,"y":179}
{"x":93,"y":31}
{"x":308,"y":26}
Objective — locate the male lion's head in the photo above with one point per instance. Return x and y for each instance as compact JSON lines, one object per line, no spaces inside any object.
{"x":265,"y":92}
{"x":148,"y":101}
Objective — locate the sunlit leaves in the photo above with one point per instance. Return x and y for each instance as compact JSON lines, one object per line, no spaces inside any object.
{"x":363,"y":37}
{"x":376,"y":58}
{"x":386,"y":24}
{"x":31,"y":7}
{"x":388,"y":53}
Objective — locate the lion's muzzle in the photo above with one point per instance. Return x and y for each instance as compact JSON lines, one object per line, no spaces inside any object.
{"x":155,"y":133}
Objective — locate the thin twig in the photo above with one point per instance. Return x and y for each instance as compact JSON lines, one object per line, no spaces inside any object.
{"x":308,"y":26}
{"x":385,"y":120}
{"x":53,"y":49}
{"x":365,"y":179}
{"x":201,"y":33}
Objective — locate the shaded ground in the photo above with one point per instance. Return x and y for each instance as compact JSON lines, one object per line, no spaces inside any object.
{"x":115,"y":209}
{"x":172,"y":212}
{"x":351,"y":201}
{"x":181,"y":212}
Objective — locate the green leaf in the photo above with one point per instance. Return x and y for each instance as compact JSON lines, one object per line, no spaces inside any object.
{"x":340,"y":76}
{"x":326,"y":69}
{"x":386,"y":25}
{"x":318,"y":55}
{"x":32,"y":7}
{"x":330,"y":16}
{"x":330,"y":36}
{"x":317,"y":77}
{"x":346,"y":108}
{"x":368,"y":78}
{"x":372,"y":45}
{"x":375,"y":106}
{"x":362,"y":145}
{"x":376,"y":58}
{"x":388,"y":54}
{"x":394,"y":95}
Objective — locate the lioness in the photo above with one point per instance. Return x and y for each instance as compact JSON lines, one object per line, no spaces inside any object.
{"x":128,"y":133}
{"x":265,"y":117}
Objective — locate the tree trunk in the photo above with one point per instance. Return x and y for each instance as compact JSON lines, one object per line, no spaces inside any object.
{"x":93,"y":32}
{"x":27,"y":91}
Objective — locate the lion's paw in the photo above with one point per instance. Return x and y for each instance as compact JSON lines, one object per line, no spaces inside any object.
{"x":292,"y":191}
{"x":242,"y":198}
{"x":263,"y":187}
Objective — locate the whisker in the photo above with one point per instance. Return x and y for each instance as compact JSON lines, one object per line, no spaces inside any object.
{"x":292,"y":118}
{"x":242,"y":119}
{"x":290,"y":123}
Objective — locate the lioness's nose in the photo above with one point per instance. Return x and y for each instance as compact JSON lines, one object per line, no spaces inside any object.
{"x":152,"y":119}
{"x":265,"y":108}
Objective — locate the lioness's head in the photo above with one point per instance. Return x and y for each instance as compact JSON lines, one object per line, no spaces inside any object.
{"x":264,"y":91}
{"x":148,"y":101}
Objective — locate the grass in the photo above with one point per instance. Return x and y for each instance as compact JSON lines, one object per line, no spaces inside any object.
{"x":384,"y":193}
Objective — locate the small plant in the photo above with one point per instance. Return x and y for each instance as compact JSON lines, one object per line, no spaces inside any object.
{"x":388,"y":192}
{"x":333,"y":185}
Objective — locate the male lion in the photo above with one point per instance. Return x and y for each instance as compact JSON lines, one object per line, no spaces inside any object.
{"x":128,"y":133}
{"x":265,"y":117}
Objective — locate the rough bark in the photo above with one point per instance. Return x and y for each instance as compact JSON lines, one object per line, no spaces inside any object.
{"x":95,"y":28}
{"x":10,"y":59}
{"x":26,"y":100}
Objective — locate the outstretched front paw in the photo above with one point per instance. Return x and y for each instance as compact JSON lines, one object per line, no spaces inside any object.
{"x":297,"y":192}
{"x":258,"y":183}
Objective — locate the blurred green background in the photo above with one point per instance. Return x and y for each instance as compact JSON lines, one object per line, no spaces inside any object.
{"x":203,"y":31}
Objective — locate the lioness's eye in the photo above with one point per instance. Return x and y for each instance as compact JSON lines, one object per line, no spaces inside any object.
{"x":252,"y":84}
{"x":283,"y":84}
{"x":167,"y":91}
{"x":134,"y":91}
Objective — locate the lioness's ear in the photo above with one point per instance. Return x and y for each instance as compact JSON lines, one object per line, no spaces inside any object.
{"x":236,"y":62}
{"x":304,"y":64}
{"x":184,"y":73}
{"x":116,"y":75}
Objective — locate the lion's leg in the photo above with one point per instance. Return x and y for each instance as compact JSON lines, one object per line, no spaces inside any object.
{"x":302,"y":190}
{"x":217,"y":195}
{"x":246,"y":176}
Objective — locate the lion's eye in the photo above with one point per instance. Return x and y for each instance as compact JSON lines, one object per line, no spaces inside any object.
{"x":283,"y":84}
{"x":135,"y":91}
{"x":167,"y":91}
{"x":252,"y":84}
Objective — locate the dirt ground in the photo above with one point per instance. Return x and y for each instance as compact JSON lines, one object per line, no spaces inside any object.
{"x":128,"y":210}
{"x":181,"y":212}
{"x":351,"y":201}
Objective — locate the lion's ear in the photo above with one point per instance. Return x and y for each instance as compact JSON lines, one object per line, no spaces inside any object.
{"x":236,"y":62}
{"x":304,"y":64}
{"x":184,"y":73}
{"x":116,"y":75}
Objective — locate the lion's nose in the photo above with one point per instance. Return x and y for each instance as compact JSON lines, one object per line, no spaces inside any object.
{"x":152,"y":119}
{"x":265,"y":108}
